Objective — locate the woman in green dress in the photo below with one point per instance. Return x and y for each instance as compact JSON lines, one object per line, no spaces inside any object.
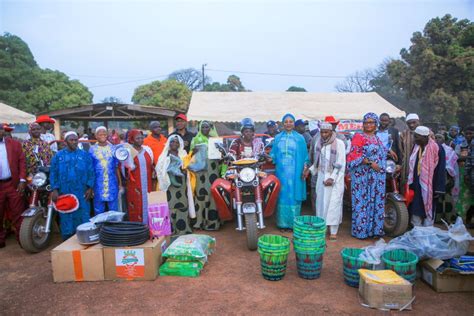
{"x":173,"y":180}
{"x":206,"y":171}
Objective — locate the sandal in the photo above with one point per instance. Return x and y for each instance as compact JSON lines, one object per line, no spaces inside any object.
{"x":333,"y":237}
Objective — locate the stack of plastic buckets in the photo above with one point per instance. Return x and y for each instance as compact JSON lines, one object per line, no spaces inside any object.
{"x":351,"y":265}
{"x":273,"y":250}
{"x":309,"y":241}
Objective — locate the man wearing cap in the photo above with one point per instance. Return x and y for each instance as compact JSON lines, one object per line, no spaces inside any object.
{"x":272,"y":131}
{"x":155,"y":140}
{"x":12,"y":183}
{"x":407,"y":141}
{"x":181,"y":121}
{"x":107,"y":174}
{"x":328,"y":166}
{"x":8,"y":130}
{"x":72,"y":172}
{"x":300,"y":127}
{"x":47,"y":125}
{"x":426,"y":177}
{"x":37,"y":151}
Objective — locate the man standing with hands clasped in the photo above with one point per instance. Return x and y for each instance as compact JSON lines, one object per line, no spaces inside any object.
{"x":12,"y":182}
{"x":328,"y":166}
{"x":72,"y":172}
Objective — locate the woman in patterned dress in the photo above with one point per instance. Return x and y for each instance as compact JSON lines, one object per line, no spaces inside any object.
{"x":207,"y":217}
{"x":366,"y":162}
{"x":173,"y":180}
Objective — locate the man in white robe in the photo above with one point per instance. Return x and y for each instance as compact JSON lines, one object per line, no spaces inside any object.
{"x":329,"y":166}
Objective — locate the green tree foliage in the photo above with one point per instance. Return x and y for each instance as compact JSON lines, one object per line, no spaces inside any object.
{"x":233,"y":85}
{"x":296,"y":89}
{"x":438,"y":70}
{"x":24,"y":85}
{"x":169,"y":94}
{"x":190,"y":77}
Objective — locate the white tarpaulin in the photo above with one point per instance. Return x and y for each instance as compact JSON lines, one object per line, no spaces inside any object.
{"x":10,"y":115}
{"x":264,"y":106}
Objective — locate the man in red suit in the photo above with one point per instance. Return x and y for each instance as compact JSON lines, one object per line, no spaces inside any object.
{"x":12,"y":182}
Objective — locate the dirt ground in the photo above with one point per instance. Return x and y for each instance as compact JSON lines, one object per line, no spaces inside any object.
{"x":230,"y":283}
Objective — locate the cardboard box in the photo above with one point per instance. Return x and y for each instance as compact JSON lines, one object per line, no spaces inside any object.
{"x":135,"y":263}
{"x":446,"y":281}
{"x":386,"y":296}
{"x":72,"y":261}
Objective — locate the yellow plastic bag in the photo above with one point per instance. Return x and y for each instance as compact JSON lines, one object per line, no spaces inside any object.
{"x":381,"y":276}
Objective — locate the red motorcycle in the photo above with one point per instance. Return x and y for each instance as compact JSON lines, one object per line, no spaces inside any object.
{"x":248,"y":194}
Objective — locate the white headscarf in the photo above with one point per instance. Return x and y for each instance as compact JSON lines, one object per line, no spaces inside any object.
{"x":164,"y":162}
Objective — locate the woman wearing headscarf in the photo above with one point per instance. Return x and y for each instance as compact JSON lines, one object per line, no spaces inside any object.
{"x":366,"y":162}
{"x":138,"y":177}
{"x":290,"y":156}
{"x":206,"y":171}
{"x":174,"y":182}
{"x":455,"y":138}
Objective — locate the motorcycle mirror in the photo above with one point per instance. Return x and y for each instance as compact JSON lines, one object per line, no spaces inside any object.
{"x":121,"y":153}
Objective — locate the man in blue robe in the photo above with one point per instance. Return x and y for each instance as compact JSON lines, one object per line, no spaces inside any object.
{"x":72,"y":173}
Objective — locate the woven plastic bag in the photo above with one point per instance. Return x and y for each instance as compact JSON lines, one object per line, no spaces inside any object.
{"x":178,"y":268}
{"x":190,"y":248}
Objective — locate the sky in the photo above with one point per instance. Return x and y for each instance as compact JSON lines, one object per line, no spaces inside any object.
{"x":114,"y":46}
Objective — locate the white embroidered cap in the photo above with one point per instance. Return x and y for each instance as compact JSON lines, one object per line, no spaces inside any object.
{"x":422,"y":130}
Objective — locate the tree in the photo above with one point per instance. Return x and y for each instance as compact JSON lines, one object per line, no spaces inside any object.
{"x":24,"y":85}
{"x":111,"y":99}
{"x":169,"y":94}
{"x":233,"y":85}
{"x":357,"y":82}
{"x":296,"y":89}
{"x":438,"y":69}
{"x":190,"y":77}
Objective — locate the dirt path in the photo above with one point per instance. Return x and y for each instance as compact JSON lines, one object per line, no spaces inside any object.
{"x":230,"y":284}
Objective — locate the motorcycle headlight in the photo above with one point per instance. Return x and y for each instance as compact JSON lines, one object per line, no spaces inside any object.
{"x":39,"y":179}
{"x":247,"y":175}
{"x":391,"y":166}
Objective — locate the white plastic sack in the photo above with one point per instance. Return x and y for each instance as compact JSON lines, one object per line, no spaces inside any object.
{"x":425,"y":242}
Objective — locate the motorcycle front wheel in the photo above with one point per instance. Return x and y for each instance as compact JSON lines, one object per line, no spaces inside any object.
{"x":32,"y":236}
{"x":396,"y":217}
{"x":252,"y":230}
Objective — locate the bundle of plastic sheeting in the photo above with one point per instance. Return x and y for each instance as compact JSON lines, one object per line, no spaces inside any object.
{"x":425,"y":242}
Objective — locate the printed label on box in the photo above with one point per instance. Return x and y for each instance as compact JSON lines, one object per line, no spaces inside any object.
{"x":130,"y":263}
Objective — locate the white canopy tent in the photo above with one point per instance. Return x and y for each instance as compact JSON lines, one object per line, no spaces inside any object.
{"x":10,"y":115}
{"x":264,"y":106}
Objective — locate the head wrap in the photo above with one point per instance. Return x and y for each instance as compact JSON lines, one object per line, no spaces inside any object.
{"x":200,"y":138}
{"x":32,"y":125}
{"x":288,"y":115}
{"x":164,"y":161}
{"x":412,"y":117}
{"x":132,"y":134}
{"x":69,"y":134}
{"x":326,"y":125}
{"x":455,"y":128}
{"x":372,"y":116}
{"x":100,"y":128}
{"x":247,"y":123}
{"x":422,"y":130}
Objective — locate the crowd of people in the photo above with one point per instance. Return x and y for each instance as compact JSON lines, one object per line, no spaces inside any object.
{"x":431,"y":164}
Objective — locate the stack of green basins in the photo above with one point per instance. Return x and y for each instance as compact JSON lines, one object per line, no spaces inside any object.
{"x":309,"y":241}
{"x":273,"y":250}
